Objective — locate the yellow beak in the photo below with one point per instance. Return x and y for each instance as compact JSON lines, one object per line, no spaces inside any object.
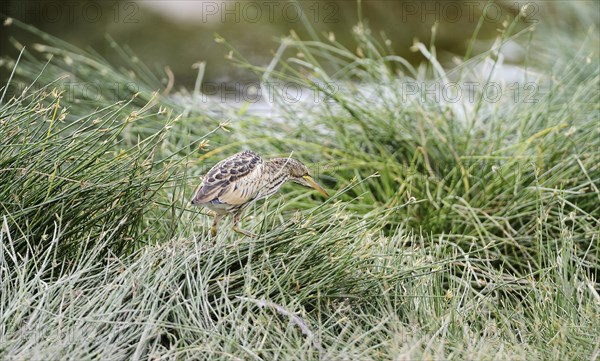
{"x":311,"y":182}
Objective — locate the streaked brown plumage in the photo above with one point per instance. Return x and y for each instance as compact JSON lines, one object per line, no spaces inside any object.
{"x":238,"y":181}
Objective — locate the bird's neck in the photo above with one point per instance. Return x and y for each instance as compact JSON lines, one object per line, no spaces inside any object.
{"x":278,"y":173}
{"x":278,"y":167}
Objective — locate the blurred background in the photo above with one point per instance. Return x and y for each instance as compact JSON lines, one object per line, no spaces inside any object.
{"x":179,"y":34}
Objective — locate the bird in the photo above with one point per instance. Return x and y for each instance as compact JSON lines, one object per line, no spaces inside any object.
{"x":236,"y":182}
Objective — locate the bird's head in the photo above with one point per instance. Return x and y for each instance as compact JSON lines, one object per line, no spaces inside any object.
{"x":299,"y":173}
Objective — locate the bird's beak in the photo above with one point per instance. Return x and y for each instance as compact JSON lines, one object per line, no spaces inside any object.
{"x":311,"y":183}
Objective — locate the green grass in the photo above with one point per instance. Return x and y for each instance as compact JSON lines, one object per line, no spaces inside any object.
{"x":451,"y":233}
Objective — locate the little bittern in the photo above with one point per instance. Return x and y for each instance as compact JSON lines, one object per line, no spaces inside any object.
{"x":238,"y":181}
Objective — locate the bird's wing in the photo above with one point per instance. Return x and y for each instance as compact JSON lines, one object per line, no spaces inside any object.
{"x":234,"y":180}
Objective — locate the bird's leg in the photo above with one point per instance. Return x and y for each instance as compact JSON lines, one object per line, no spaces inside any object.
{"x":213,"y":227}
{"x":237,"y":229}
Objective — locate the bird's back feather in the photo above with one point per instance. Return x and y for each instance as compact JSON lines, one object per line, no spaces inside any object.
{"x":233,"y":181}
